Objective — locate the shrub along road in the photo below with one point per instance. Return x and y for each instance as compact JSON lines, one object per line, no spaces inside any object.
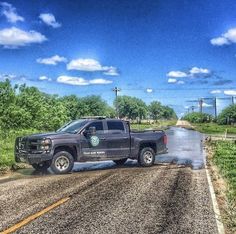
{"x":104,"y":198}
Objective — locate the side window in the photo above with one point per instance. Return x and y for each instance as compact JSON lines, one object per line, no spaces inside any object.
{"x":97,"y":125}
{"x":115,"y":126}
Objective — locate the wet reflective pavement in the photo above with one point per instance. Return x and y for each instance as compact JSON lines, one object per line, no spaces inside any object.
{"x":185,"y":147}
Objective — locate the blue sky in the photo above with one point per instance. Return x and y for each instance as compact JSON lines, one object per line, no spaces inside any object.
{"x":171,"y":51}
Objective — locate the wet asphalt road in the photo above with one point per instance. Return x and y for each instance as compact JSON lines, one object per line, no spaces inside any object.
{"x":166,"y":198}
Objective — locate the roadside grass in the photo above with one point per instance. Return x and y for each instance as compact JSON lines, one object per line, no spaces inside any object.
{"x":160,"y":124}
{"x":224,"y":157}
{"x":214,"y":128}
{"x":7,"y":142}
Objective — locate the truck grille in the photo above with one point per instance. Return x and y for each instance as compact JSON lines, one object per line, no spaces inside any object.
{"x":29,"y":145}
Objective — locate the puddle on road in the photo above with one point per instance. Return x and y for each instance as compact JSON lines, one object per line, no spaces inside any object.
{"x":185,"y":147}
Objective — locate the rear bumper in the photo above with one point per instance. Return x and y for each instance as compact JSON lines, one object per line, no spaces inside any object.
{"x":164,"y":151}
{"x":32,"y":158}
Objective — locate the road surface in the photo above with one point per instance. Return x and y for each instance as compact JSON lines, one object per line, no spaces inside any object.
{"x":104,"y":198}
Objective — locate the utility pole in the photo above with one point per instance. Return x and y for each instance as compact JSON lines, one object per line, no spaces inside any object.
{"x":192,"y":108}
{"x":215,"y":105}
{"x":232,"y":100}
{"x":116,"y":90}
{"x":200,"y":104}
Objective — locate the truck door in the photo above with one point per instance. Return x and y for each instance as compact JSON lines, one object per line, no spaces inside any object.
{"x":94,"y":147}
{"x":118,"y":139}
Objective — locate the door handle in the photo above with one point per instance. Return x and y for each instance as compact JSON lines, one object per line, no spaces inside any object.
{"x":103,"y":138}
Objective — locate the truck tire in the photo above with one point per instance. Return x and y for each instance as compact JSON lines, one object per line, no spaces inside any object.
{"x":62,"y":162}
{"x":120,"y":162}
{"x":146,"y":157}
{"x":43,"y":166}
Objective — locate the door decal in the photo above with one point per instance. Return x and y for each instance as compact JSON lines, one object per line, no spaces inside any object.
{"x":94,"y":140}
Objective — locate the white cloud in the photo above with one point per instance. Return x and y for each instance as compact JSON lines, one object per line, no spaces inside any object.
{"x":230,"y":92}
{"x":54,"y":60}
{"x":206,"y":105}
{"x":10,"y":12}
{"x":219,"y":41}
{"x":215,"y":91}
{"x":191,"y":73}
{"x":72,"y":80}
{"x":111,"y":71}
{"x":14,"y":37}
{"x":91,"y":65}
{"x":149,"y":90}
{"x":177,"y":74}
{"x":45,"y":78}
{"x":7,"y":76}
{"x":50,"y":20}
{"x":100,"y":81}
{"x":84,"y":65}
{"x":231,"y":35}
{"x":196,"y":71}
{"x":172,"y":80}
{"x":225,"y":39}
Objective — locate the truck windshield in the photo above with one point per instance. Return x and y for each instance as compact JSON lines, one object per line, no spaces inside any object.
{"x":73,"y":126}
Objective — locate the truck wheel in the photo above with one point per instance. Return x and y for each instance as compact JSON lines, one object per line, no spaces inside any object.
{"x":120,"y":161}
{"x":146,"y":157}
{"x":62,"y":162}
{"x":43,"y":166}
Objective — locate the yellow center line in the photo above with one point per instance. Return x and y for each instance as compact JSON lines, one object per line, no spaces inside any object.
{"x":34,"y":216}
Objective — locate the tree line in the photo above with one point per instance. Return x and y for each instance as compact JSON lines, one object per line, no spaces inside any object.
{"x":23,"y":107}
{"x":227,"y":116}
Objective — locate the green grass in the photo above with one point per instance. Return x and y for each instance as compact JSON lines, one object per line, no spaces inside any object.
{"x":224,"y":157}
{"x":7,"y":142}
{"x":161,"y":124}
{"x":213,"y":128}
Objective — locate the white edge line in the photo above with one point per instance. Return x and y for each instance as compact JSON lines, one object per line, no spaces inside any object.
{"x":215,"y":205}
{"x":216,"y":209}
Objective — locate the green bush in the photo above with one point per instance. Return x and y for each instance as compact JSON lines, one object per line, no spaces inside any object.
{"x":197,"y":117}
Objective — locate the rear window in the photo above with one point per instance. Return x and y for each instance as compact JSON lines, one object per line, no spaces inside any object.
{"x":115,"y":126}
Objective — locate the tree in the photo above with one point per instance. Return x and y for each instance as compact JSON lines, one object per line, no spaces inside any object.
{"x":7,"y":101}
{"x":158,"y":111}
{"x":155,"y":110}
{"x":228,"y":115}
{"x":131,"y":107}
{"x":197,"y":117}
{"x":72,"y":105}
{"x":93,"y":106}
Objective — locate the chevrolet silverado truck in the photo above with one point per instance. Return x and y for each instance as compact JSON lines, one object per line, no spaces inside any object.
{"x":94,"y":139}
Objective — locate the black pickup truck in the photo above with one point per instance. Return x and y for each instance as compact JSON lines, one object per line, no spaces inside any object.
{"x":94,"y":139}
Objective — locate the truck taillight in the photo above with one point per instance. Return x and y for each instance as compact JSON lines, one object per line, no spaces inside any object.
{"x":165,"y":140}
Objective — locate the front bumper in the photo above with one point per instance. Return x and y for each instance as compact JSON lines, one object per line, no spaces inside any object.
{"x":32,"y":158}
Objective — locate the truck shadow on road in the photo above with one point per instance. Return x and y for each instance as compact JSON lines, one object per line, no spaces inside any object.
{"x":106,"y":165}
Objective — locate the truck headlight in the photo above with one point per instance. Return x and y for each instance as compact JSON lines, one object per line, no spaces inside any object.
{"x":45,"y":147}
{"x":46,"y":142}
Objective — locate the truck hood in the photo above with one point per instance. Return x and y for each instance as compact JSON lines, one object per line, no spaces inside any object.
{"x":51,"y":135}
